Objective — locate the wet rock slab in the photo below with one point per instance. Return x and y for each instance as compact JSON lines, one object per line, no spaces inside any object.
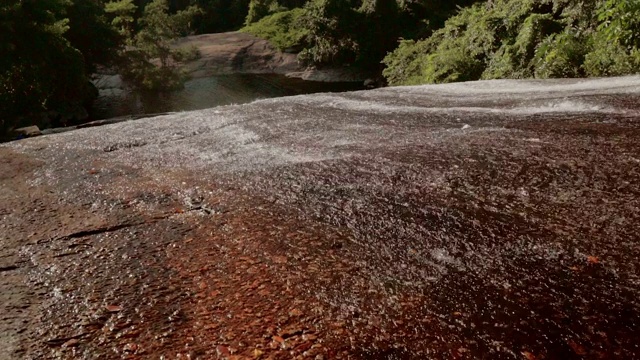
{"x":492,"y":220}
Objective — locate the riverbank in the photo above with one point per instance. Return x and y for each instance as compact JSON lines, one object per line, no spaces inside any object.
{"x":232,"y":68}
{"x":242,"y":53}
{"x":233,"y":57}
{"x":208,"y":92}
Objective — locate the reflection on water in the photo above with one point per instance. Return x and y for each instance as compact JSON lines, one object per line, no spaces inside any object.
{"x":213,"y":91}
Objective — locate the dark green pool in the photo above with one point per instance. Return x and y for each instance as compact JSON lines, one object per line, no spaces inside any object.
{"x":213,"y":91}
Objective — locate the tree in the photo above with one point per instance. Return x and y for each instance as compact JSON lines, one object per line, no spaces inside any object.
{"x":616,"y":44}
{"x":258,"y":9}
{"x":347,"y":32}
{"x":619,"y":21}
{"x":379,"y":31}
{"x":216,"y":15}
{"x":333,"y":32}
{"x":122,"y":13}
{"x":524,"y":39}
{"x":92,"y":34}
{"x":39,"y":69}
{"x":153,"y":41}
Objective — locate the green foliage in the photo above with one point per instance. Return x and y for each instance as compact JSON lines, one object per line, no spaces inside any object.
{"x":560,"y":55}
{"x":153,"y":42}
{"x":332,"y":32}
{"x":157,"y":31}
{"x":258,"y":9}
{"x":219,"y":15}
{"x":610,"y":58}
{"x":186,"y":54}
{"x":284,"y":30}
{"x":454,"y":53}
{"x":39,"y":69}
{"x":513,"y":60}
{"x":616,"y":44}
{"x":378,"y":31}
{"x":620,"y":22}
{"x":147,"y":76}
{"x":347,"y":32}
{"x":521,"y":39}
{"x":49,"y":47}
{"x":122,"y":12}
{"x":350,"y":32}
{"x":88,"y":22}
{"x":405,"y":66}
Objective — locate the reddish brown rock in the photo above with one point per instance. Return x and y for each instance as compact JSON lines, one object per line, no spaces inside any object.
{"x":364,"y":225}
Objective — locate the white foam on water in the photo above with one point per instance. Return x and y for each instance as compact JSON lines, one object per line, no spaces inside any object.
{"x":566,"y":106}
{"x":625,"y":84}
{"x":193,"y":139}
{"x":231,"y":136}
{"x":552,"y":106}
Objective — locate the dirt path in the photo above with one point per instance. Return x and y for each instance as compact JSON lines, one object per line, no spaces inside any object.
{"x":493,"y":220}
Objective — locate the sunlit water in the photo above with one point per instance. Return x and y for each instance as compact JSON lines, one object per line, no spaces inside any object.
{"x":212,"y":91}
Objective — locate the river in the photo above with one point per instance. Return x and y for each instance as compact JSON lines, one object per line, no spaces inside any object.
{"x":202,"y":93}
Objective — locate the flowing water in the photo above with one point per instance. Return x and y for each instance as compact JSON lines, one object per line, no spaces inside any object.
{"x":483,"y":220}
{"x":202,"y":93}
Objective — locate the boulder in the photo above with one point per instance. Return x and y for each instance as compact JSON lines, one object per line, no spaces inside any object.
{"x":27,"y":131}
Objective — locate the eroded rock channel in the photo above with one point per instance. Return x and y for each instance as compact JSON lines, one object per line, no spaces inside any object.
{"x":493,"y":220}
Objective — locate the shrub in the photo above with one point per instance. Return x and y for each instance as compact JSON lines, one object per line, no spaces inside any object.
{"x":456,"y":52}
{"x":40,"y":70}
{"x":616,"y":44}
{"x":560,"y":55}
{"x":258,"y":9}
{"x":610,"y":58}
{"x":284,"y":30}
{"x":524,"y":38}
{"x":619,"y":22}
{"x":154,"y":43}
{"x":146,"y":76}
{"x":332,"y":37}
{"x":513,"y":60}
{"x":406,"y":64}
